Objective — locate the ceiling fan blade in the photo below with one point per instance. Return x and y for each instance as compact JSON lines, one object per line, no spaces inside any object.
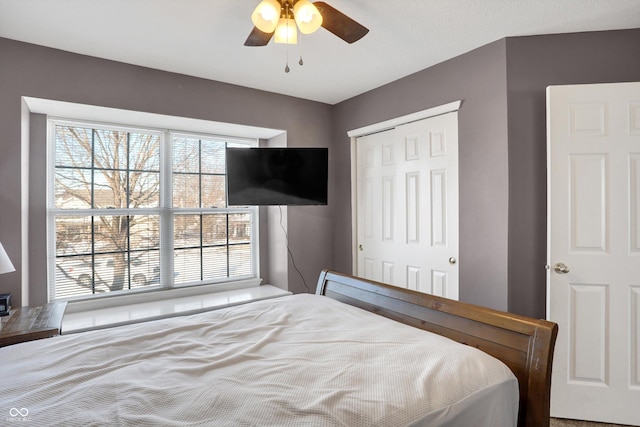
{"x":340,"y":24}
{"x":258,"y":38}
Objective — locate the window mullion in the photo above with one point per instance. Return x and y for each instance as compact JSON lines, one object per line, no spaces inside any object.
{"x":93,"y":226}
{"x":200,"y":195}
{"x":128,"y":206}
{"x":228,"y":249}
{"x":166,"y":210}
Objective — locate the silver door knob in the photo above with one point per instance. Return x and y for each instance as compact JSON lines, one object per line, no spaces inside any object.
{"x":360,"y":247}
{"x":452,"y":260}
{"x":561,"y":268}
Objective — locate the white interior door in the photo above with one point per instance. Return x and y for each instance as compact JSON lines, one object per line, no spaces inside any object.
{"x":594,"y":250}
{"x":407,"y":205}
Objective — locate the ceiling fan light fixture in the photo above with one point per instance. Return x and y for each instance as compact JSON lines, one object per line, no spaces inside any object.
{"x":286,"y":32}
{"x":300,"y":16}
{"x":307,"y":16}
{"x":266,"y":15}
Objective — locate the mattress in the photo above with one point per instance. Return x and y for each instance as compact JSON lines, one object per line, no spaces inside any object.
{"x":299,"y":360}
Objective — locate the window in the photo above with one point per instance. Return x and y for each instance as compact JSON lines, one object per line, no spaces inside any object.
{"x":132,"y":209}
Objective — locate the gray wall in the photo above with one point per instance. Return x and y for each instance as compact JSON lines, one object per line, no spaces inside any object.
{"x":533,"y":63}
{"x":501,"y":130}
{"x":35,"y":71}
{"x":478,"y":78}
{"x":502,"y":137}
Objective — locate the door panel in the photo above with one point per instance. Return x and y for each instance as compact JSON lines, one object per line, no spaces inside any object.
{"x":588,"y":209}
{"x":588,"y":326}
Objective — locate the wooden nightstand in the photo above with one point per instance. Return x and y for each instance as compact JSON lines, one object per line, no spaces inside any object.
{"x":31,"y":323}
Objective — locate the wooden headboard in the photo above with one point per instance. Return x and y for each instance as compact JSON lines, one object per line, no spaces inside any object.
{"x":524,"y":344}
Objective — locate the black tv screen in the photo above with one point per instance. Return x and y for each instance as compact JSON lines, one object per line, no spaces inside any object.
{"x":277,"y":176}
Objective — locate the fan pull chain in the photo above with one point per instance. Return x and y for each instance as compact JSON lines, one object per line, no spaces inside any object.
{"x":300,"y":41}
{"x":286,"y":68}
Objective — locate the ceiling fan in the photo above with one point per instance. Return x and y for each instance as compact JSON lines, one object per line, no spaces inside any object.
{"x":284,"y":18}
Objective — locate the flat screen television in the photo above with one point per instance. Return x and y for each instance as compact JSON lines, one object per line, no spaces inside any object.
{"x":277,"y":176}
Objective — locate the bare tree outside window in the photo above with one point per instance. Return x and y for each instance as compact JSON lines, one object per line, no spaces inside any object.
{"x":106,"y":169}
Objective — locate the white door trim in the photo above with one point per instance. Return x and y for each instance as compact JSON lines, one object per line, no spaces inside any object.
{"x":379,"y":127}
{"x":403,"y":120}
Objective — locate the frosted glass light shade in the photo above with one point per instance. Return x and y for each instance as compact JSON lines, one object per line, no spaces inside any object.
{"x":266,"y":15}
{"x":5,"y":262}
{"x":286,"y":32}
{"x":307,"y":16}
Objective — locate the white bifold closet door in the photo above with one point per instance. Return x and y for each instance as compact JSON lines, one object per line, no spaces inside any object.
{"x":407,"y":205}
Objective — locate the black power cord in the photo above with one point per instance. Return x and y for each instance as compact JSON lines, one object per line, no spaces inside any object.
{"x":293,"y":262}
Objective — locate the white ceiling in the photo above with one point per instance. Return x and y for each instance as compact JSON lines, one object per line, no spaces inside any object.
{"x":204,"y":38}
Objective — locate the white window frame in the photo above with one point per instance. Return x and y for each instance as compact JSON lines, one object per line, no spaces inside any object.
{"x":165,"y":211}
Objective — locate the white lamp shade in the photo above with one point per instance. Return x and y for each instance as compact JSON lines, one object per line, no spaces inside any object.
{"x":307,"y":16}
{"x":266,"y":15}
{"x":5,"y":262}
{"x":286,"y":32}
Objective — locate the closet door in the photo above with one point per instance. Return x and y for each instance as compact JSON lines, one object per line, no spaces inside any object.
{"x":407,"y":205}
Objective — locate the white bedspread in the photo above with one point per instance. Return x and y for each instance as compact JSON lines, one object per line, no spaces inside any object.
{"x":301,"y":360}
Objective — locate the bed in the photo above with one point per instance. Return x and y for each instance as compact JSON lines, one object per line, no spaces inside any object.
{"x":344,"y":356}
{"x":524,"y":344}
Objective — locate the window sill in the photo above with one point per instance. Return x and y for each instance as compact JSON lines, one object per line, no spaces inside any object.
{"x":80,"y":321}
